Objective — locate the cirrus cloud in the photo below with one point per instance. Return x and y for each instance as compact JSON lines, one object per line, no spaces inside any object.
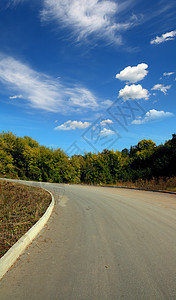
{"x":168,"y":74}
{"x":161,"y":87}
{"x":89,"y":17}
{"x":168,"y":36}
{"x":14,"y":2}
{"x":42,"y":91}
{"x":133,"y":92}
{"x":133,"y":74}
{"x":79,"y":96}
{"x":152,"y":115}
{"x":15,"y":97}
{"x":106,"y":103}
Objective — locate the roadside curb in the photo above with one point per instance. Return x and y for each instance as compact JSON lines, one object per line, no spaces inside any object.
{"x":10,"y":257}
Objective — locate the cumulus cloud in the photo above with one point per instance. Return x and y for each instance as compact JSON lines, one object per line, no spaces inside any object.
{"x":161,"y":87}
{"x":104,"y":122}
{"x":168,"y":74}
{"x":42,"y":91}
{"x":87,"y":17}
{"x":72,"y":125}
{"x":106,"y":132}
{"x":133,"y":92}
{"x":15,"y":97}
{"x":133,"y":74}
{"x":168,"y":36}
{"x":152,"y":115}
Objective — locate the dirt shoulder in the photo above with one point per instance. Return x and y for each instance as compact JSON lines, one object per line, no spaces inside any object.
{"x":21,"y":207}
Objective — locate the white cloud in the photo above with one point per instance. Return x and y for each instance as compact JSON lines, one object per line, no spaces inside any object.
{"x":42,"y":91}
{"x":79,"y":96}
{"x":168,"y":74}
{"x":133,"y":92}
{"x":13,"y":3}
{"x":15,"y":97}
{"x":72,"y":125}
{"x":104,"y":122}
{"x":161,"y":87}
{"x":152,"y":115}
{"x":133,"y":74}
{"x":168,"y":36}
{"x":106,"y":132}
{"x":87,"y":17}
{"x":106,"y":103}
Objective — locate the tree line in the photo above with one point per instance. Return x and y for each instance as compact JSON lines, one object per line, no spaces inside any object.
{"x":24,"y":158}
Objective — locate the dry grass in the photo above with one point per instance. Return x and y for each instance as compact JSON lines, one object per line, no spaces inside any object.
{"x":158,"y":184}
{"x":21,"y":207}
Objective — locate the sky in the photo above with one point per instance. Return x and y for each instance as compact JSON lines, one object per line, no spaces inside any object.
{"x":88,"y":75}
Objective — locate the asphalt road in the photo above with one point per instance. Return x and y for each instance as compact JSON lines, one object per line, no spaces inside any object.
{"x":100,"y":243}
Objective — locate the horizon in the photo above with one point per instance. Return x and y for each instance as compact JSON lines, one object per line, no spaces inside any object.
{"x":92,"y":152}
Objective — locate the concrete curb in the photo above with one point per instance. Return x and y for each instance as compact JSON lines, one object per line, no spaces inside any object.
{"x":18,"y":248}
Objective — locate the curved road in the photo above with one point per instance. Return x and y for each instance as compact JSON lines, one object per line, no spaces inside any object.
{"x":100,"y":243}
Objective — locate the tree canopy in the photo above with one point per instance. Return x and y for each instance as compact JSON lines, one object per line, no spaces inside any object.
{"x":24,"y":158}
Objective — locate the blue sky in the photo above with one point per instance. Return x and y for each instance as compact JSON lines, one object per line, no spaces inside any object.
{"x":84,"y":75}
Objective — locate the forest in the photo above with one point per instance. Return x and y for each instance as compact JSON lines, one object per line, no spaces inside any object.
{"x":24,"y":158}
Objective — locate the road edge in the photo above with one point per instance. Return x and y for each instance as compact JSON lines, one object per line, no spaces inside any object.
{"x":146,"y":190}
{"x":10,"y":257}
{"x":129,"y":188}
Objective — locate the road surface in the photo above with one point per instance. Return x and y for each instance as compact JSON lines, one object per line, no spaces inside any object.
{"x":100,"y":243}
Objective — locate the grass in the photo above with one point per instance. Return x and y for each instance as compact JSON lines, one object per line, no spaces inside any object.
{"x":158,"y":184}
{"x":21,"y":207}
